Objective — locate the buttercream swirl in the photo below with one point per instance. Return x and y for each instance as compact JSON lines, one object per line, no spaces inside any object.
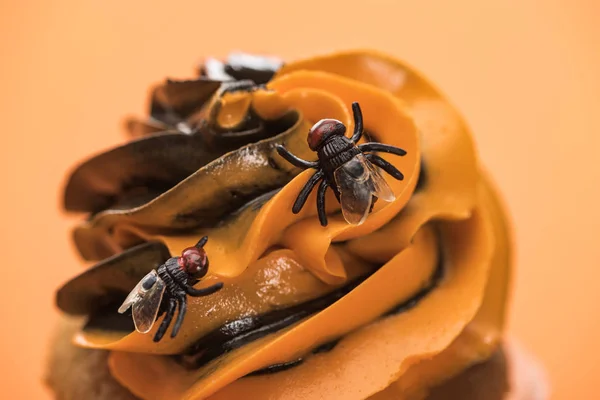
{"x":386,"y":309}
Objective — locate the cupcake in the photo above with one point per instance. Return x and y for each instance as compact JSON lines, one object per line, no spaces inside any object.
{"x":315,"y":229}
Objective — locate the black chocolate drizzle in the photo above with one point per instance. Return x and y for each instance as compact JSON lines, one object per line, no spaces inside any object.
{"x":238,"y":333}
{"x":273,"y":368}
{"x":328,"y":346}
{"x":422,"y":180}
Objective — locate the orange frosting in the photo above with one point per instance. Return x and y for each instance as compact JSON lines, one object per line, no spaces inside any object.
{"x":269,"y":258}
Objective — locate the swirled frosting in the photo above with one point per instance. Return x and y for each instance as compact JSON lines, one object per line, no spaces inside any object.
{"x":383,"y":310}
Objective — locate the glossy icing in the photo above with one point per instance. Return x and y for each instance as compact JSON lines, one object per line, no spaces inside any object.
{"x":270,"y":259}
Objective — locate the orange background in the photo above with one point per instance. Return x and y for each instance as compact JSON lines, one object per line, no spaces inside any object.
{"x":524,"y":73}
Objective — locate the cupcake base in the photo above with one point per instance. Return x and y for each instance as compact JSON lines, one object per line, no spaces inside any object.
{"x":75,"y":373}
{"x":510,"y":374}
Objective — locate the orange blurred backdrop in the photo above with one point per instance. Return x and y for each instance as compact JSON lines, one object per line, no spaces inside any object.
{"x":524,"y":73}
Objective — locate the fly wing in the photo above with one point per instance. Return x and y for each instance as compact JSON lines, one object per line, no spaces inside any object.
{"x":133,"y":296}
{"x":358,"y":181}
{"x":352,"y":180}
{"x":379,"y":186}
{"x":145,"y":301}
{"x":145,"y":311}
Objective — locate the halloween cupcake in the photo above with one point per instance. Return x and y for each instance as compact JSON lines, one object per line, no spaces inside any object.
{"x":318,"y":229}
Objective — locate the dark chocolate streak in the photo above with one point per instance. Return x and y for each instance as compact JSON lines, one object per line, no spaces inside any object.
{"x":422,"y":181}
{"x":240,"y":332}
{"x":271,"y":369}
{"x":326,"y":347}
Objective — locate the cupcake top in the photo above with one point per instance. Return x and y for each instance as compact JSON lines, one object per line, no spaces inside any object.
{"x":392,"y":303}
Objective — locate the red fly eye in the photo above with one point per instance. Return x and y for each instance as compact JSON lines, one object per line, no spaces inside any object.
{"x":194,"y":261}
{"x":322,"y":130}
